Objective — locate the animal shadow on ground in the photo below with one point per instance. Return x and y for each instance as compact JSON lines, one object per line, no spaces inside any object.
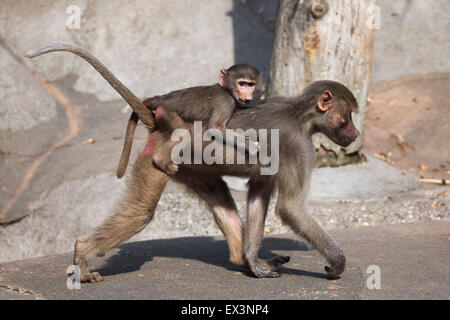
{"x":131,"y":256}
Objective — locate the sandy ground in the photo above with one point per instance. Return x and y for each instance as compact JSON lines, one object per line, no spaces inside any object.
{"x":408,"y":124}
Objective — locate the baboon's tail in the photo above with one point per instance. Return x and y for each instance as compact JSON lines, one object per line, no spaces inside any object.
{"x":144,"y":114}
{"x":129,"y":135}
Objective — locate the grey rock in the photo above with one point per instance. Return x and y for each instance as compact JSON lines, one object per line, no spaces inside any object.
{"x":413,"y":38}
{"x":373,"y":180}
{"x":154,"y":47}
{"x":23,"y":102}
{"x":25,"y":26}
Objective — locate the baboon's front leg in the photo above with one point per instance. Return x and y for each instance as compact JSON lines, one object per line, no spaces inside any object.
{"x":134,"y":212}
{"x":292,"y":212}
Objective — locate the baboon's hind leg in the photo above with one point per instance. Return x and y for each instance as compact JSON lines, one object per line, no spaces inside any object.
{"x":134,"y":212}
{"x":217,"y":195}
{"x":214,"y":191}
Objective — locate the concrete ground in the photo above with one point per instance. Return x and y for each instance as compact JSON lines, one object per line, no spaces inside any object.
{"x":413,"y":261}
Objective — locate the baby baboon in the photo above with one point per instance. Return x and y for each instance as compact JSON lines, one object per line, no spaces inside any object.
{"x":214,"y":104}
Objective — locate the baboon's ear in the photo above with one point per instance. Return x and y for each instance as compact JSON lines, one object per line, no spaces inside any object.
{"x":325,"y":102}
{"x":223,"y":80}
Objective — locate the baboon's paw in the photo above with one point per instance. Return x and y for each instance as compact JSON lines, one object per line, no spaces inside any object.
{"x":91,"y":277}
{"x":261,"y":272}
{"x":333,"y":273}
{"x":171,"y":169}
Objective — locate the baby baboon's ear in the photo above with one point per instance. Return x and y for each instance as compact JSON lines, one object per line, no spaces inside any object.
{"x":223,"y":79}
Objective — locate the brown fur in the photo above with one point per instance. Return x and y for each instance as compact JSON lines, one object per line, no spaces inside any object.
{"x":297,"y":119}
{"x":323,"y":106}
{"x":215,"y":104}
{"x":134,"y":212}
